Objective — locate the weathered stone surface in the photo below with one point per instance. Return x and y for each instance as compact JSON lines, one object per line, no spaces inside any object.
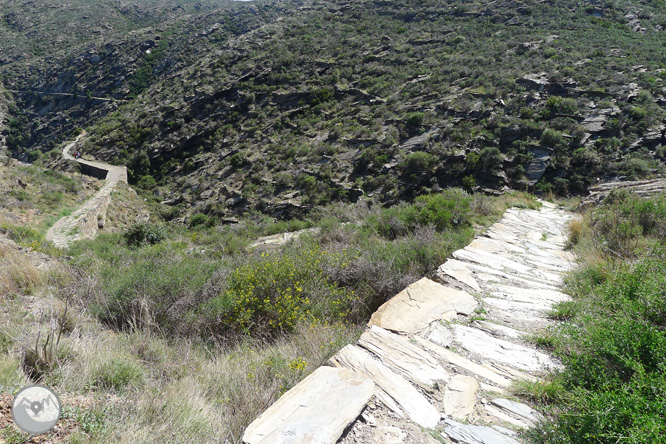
{"x":390,"y":388}
{"x":460,"y":396}
{"x":304,"y":413}
{"x":438,"y":334}
{"x":499,"y":416}
{"x":470,"y":434}
{"x":459,"y":271}
{"x":518,"y":409}
{"x":400,"y":355}
{"x":500,"y":330}
{"x":464,"y":363}
{"x":419,"y":304}
{"x":389,"y":435}
{"x":502,"y":351}
{"x":491,"y":260}
{"x":537,"y":166}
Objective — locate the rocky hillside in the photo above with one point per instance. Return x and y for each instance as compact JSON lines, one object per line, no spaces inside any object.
{"x":283,"y":106}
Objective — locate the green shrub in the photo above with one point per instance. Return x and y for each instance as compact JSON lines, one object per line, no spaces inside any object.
{"x":551,"y":138}
{"x":201,"y":219}
{"x":447,"y":209}
{"x":144,"y":233}
{"x":154,"y":285}
{"x":561,"y":105}
{"x":623,"y":218}
{"x":468,"y":183}
{"x":237,"y":160}
{"x":147,"y":182}
{"x":420,"y":162}
{"x":490,"y":158}
{"x":415,"y":120}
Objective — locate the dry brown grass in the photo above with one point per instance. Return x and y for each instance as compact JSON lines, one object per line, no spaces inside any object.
{"x":17,"y":274}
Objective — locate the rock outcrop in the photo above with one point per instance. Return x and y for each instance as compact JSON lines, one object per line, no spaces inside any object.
{"x":641,"y":187}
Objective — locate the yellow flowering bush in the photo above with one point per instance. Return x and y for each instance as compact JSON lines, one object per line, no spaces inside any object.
{"x":278,"y":291}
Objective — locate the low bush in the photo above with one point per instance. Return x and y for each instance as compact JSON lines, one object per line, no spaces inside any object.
{"x":448,"y":209}
{"x":144,"y":233}
{"x":276,"y":293}
{"x":624,"y":219}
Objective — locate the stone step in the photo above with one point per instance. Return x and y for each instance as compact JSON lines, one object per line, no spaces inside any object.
{"x":304,"y":413}
{"x":390,"y":388}
{"x":401,"y":356}
{"x":420,"y":304}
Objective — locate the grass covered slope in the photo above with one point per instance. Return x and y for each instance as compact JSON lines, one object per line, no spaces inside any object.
{"x":613,"y":338}
{"x":181,"y":334}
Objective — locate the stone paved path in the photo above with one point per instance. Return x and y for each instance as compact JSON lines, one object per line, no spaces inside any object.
{"x":437,"y":359}
{"x":87,"y":219}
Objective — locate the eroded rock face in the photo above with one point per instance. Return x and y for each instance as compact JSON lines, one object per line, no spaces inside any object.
{"x":640,"y":187}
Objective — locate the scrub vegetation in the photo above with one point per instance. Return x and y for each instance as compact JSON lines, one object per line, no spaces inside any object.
{"x":612,"y":340}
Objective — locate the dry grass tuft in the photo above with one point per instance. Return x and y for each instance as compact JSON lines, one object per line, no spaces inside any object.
{"x":17,"y":274}
{"x":575,"y":230}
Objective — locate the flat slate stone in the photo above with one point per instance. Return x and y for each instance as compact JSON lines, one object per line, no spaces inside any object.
{"x":421,"y":303}
{"x":304,"y":413}
{"x":501,"y":417}
{"x":470,"y":434}
{"x":499,"y":350}
{"x":519,"y":409}
{"x":397,"y":353}
{"x":460,"y":396}
{"x":390,"y":388}
{"x":462,"y":362}
{"x":459,"y":271}
{"x":438,"y":334}
{"x":492,"y":260}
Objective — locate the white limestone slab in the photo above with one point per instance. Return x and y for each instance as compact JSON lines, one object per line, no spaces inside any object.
{"x":492,"y":260}
{"x":407,"y":359}
{"x":503,"y":417}
{"x":389,"y":384}
{"x":304,"y":413}
{"x":421,"y":303}
{"x":460,"y":272}
{"x":518,"y":409}
{"x":529,"y":295}
{"x":519,"y":308}
{"x":500,"y":330}
{"x":438,"y":334}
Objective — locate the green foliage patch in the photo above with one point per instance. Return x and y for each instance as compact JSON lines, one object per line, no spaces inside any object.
{"x":613,"y":344}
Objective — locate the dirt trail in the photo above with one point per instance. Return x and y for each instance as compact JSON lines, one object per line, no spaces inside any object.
{"x":85,"y":222}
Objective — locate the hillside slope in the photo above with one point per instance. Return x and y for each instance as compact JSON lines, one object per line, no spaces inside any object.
{"x":284,"y":106}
